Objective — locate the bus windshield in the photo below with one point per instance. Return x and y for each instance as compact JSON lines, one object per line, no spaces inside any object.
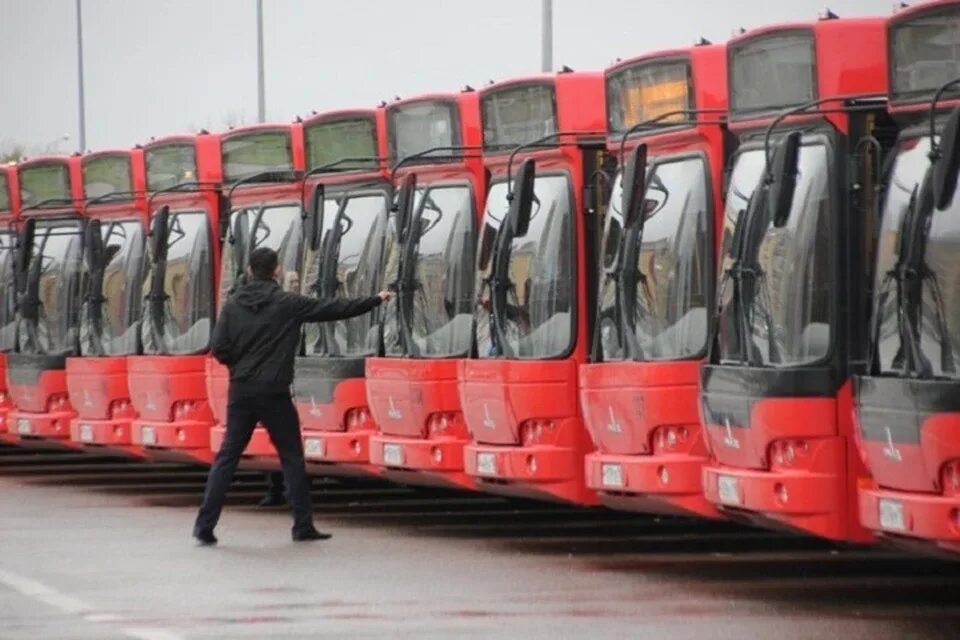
{"x":356,"y":273}
{"x":537,"y":319}
{"x":50,"y":312}
{"x":8,"y":292}
{"x":939,"y":323}
{"x":442,"y":276}
{"x":279,"y":228}
{"x":493,"y":217}
{"x":186,"y":276}
{"x":113,"y":328}
{"x":788,"y":317}
{"x":665,"y":284}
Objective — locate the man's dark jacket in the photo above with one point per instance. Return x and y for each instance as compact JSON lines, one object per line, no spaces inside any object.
{"x":258,"y":331}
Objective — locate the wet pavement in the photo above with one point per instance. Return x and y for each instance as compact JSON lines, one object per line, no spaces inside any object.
{"x":102,"y":550}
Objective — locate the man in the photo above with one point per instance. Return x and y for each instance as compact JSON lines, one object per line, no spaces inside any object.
{"x":256,"y":337}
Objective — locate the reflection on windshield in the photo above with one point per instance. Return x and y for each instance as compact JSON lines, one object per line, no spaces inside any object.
{"x":609,"y":319}
{"x":443,"y":276}
{"x":668,"y":292}
{"x":537,"y":321}
{"x":279,"y":228}
{"x":119,"y":292}
{"x":940,"y":309}
{"x":789,"y":320}
{"x":390,"y":310}
{"x":187,"y":288}
{"x":55,"y":287}
{"x":358,"y":265}
{"x":494,"y":215}
{"x":8,"y":293}
{"x":940,"y":304}
{"x":909,"y":167}
{"x":745,"y":178}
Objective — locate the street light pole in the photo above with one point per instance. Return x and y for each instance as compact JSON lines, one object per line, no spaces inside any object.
{"x":261,"y":97}
{"x":82,"y":137}
{"x":546,"y":49}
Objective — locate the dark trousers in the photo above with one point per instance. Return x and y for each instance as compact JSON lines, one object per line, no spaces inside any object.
{"x":275,"y":486}
{"x":277,"y":413}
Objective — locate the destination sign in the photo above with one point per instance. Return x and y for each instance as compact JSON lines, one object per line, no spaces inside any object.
{"x":517,"y":115}
{"x":333,"y":140}
{"x":924,"y":54}
{"x":772,"y":72}
{"x":45,"y":182}
{"x":4,"y":192}
{"x":247,"y":154}
{"x":106,"y":174}
{"x":418,"y":126}
{"x":646,"y":91}
{"x":170,"y":164}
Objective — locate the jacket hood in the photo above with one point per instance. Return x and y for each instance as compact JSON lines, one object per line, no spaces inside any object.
{"x":256,"y":294}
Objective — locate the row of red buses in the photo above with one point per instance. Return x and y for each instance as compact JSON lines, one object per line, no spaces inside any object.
{"x":712,"y":281}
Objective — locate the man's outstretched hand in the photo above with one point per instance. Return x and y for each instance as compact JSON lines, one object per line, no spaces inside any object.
{"x":386,"y":295}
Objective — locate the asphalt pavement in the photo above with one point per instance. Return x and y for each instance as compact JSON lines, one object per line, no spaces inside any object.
{"x":80,"y":558}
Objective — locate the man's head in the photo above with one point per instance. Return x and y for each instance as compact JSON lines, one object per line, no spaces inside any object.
{"x":264,"y":264}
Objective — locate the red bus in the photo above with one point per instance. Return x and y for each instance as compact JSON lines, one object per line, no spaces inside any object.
{"x":115,"y":204}
{"x":412,"y":390}
{"x":167,"y":381}
{"x":48,"y":267}
{"x":908,"y":404}
{"x":9,"y":217}
{"x":640,"y":394}
{"x":543,"y":144}
{"x":348,"y":199}
{"x":806,"y":101}
{"x":263,"y":183}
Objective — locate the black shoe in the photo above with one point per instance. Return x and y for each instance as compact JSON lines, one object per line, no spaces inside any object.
{"x":271,"y":500}
{"x":205,"y":538}
{"x":310,"y":534}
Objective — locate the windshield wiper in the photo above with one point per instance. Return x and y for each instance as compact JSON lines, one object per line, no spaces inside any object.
{"x":633,"y":274}
{"x":914,"y":271}
{"x":406,"y":274}
{"x":30,"y":302}
{"x":500,"y":285}
{"x":894,"y":276}
{"x":328,"y":284}
{"x":751,"y":280}
{"x":743,"y":270}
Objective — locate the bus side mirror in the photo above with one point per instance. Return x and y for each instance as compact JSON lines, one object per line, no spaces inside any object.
{"x":25,"y":247}
{"x":158,"y":233}
{"x":315,"y":217}
{"x":93,"y":243}
{"x":784,"y":173}
{"x":945,"y":167}
{"x":239,"y":240}
{"x":223,"y":217}
{"x":405,"y":204}
{"x":634,"y":186}
{"x":522,"y":202}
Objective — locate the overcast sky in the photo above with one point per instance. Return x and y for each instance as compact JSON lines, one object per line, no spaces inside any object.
{"x":155,"y":67}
